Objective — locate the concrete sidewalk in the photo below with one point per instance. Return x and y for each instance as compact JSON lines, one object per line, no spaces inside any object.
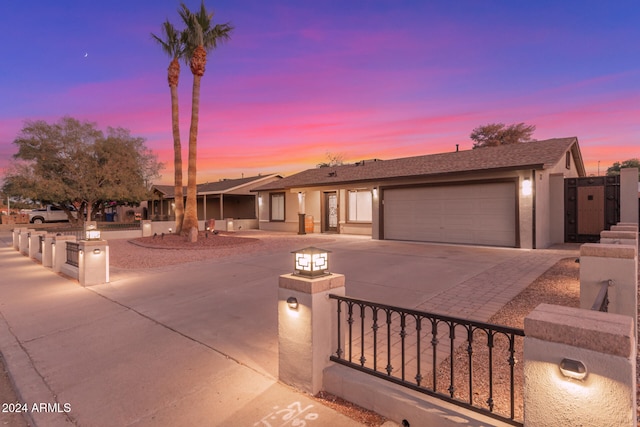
{"x":196,"y":344}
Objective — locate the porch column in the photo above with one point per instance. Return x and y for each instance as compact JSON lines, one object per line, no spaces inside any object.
{"x":204,"y":207}
{"x":301,"y":213}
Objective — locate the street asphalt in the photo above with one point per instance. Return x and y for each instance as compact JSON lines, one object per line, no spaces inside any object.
{"x":196,"y":343}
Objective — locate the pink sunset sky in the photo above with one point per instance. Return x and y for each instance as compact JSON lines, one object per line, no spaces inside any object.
{"x":300,"y":79}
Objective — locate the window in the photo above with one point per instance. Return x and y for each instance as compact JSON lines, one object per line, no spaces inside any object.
{"x":567,"y":161}
{"x":360,"y":206}
{"x":277,"y":206}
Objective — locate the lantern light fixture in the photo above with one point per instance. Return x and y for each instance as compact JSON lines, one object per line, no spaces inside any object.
{"x":92,"y":232}
{"x":311,"y":262}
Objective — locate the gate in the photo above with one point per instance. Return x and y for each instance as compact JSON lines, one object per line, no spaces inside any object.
{"x":592,"y":204}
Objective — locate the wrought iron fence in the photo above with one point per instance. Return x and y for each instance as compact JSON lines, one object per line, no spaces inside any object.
{"x":602,"y":300}
{"x":72,"y":253}
{"x":474,"y":367}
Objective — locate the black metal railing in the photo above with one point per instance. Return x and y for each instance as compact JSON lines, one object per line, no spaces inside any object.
{"x":72,"y":253}
{"x":602,"y":300}
{"x":403,"y":346}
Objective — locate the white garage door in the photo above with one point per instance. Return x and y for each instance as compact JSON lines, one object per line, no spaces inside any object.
{"x":480,"y":214}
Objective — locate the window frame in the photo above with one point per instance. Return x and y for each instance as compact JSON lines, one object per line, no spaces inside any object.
{"x":273,"y":196}
{"x":349,"y":207}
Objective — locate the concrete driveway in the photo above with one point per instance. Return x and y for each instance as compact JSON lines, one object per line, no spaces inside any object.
{"x":196,"y":344}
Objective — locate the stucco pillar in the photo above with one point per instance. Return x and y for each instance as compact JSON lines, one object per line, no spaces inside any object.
{"x":617,"y":235}
{"x":16,"y":237}
{"x":306,"y":334}
{"x":624,"y":226}
{"x":47,"y":250}
{"x":93,"y":262}
{"x":146,"y":228}
{"x":629,"y":195}
{"x":23,"y":240}
{"x":600,"y":263}
{"x":34,"y":244}
{"x":59,"y":251}
{"x":603,"y":343}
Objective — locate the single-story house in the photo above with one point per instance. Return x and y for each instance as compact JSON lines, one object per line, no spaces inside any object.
{"x":227,"y":198}
{"x":510,"y":195}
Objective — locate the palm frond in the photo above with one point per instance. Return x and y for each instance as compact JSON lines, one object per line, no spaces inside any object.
{"x":171,"y":41}
{"x":200,"y":30}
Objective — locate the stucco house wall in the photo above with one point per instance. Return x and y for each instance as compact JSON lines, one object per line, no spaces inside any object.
{"x":549,"y":190}
{"x":539,"y":216}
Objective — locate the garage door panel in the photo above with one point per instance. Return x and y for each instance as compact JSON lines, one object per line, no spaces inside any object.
{"x":472,"y":214}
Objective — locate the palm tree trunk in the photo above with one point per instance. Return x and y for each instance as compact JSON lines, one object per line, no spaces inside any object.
{"x":177,"y":162}
{"x":190,"y":223}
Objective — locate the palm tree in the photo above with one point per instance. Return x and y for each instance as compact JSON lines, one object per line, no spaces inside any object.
{"x":200,"y":37}
{"x":172,"y":45}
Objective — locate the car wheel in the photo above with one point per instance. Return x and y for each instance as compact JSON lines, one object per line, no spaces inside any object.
{"x":38,"y":221}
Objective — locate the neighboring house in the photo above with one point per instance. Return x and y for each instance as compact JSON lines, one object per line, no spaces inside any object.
{"x":227,"y":198}
{"x":510,"y":195}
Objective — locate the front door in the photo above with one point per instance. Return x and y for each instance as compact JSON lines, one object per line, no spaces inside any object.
{"x":331,"y":212}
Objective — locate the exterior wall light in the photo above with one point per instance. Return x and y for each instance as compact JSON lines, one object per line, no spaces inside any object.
{"x":374,"y":192}
{"x":573,"y":369}
{"x":311,"y":262}
{"x":92,"y":232}
{"x":96,"y":251}
{"x":292,"y":302}
{"x":526,"y":187}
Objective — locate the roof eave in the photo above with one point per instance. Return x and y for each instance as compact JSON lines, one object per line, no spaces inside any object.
{"x":405,"y":177}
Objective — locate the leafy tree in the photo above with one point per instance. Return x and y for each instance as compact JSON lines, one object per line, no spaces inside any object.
{"x":200,"y":37}
{"x":172,"y":45}
{"x":630,"y":163}
{"x":494,"y":134}
{"x":73,"y":163}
